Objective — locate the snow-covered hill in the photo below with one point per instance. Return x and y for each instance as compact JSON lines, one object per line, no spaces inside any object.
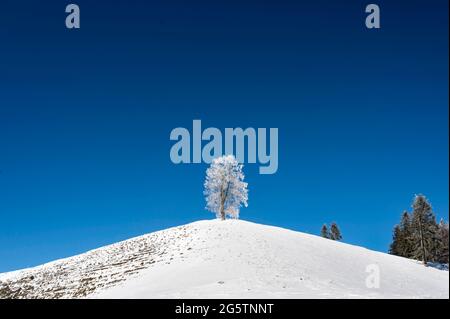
{"x":226,"y":259}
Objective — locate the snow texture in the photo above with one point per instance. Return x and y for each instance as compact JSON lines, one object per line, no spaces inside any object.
{"x":226,"y":259}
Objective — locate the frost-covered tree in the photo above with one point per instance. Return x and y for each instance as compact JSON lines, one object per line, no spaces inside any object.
{"x":225,"y":189}
{"x":335,"y":233}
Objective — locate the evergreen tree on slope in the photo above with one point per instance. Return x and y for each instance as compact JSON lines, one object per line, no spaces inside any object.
{"x":324,"y":232}
{"x":335,"y":233}
{"x":424,"y":230}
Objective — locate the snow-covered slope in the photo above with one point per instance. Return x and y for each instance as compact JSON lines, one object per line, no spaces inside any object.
{"x":227,"y":259}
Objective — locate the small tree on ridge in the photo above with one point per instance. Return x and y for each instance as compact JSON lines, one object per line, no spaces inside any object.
{"x":225,"y":189}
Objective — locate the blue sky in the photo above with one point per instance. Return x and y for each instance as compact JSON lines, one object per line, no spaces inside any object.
{"x":85,"y":116}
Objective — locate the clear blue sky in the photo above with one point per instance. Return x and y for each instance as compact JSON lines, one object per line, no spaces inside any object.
{"x":85,"y":116}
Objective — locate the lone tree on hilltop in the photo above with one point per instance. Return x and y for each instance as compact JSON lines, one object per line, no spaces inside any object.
{"x":225,"y":189}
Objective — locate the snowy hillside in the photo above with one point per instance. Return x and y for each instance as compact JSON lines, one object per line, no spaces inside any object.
{"x":226,"y":259}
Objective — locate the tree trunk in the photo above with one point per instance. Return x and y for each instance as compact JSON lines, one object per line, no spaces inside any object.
{"x":222,"y":203}
{"x":222,"y":211}
{"x":223,"y":198}
{"x":422,"y":245}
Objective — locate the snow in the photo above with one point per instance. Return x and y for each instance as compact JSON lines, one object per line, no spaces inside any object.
{"x":227,"y":259}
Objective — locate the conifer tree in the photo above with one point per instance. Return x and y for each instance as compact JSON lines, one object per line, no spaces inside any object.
{"x":406,"y":239}
{"x":443,"y":237}
{"x":394,"y":248}
{"x":424,"y":230}
{"x":418,"y":236}
{"x":324,"y":232}
{"x":335,"y":233}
